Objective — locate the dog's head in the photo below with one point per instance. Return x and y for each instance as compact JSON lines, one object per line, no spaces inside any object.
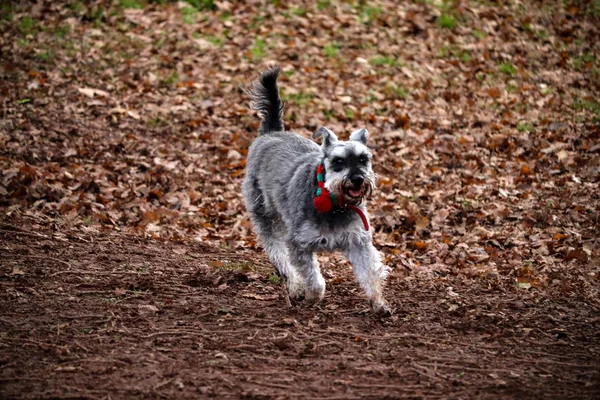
{"x":348,"y":172}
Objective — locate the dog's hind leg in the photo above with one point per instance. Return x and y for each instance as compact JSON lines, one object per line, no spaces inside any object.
{"x":278,"y":254}
{"x":370,"y":274}
{"x":270,"y":229}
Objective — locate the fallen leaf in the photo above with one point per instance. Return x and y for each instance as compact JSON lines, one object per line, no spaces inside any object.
{"x":577,"y":254}
{"x":421,"y":224}
{"x":147,"y":309}
{"x":260,"y":297}
{"x":90,"y":92}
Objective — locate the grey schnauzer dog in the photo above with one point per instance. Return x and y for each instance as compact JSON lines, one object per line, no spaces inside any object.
{"x":304,"y":198}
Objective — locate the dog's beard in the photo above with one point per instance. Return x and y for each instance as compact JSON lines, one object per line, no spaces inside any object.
{"x":346,"y":193}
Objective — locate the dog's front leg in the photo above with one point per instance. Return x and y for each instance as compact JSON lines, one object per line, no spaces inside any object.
{"x":370,"y":273}
{"x":306,"y":264}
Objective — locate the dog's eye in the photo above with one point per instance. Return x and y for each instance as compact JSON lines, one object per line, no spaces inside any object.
{"x":363,"y":160}
{"x":338,"y":161}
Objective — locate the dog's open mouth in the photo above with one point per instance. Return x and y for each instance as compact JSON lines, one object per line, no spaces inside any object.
{"x":354,"y":193}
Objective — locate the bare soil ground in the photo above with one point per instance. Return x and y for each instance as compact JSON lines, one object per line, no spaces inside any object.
{"x":128,"y":266}
{"x":115,"y":316}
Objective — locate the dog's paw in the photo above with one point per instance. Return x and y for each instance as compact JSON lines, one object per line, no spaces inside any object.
{"x":295,"y":288}
{"x":316,"y":291}
{"x":296,"y":294}
{"x":381,"y":308}
{"x":313,"y":298}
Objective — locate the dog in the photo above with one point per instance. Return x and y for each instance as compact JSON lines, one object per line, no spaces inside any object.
{"x":304,"y":198}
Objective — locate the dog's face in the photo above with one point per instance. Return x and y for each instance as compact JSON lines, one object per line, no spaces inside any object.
{"x":348,"y":172}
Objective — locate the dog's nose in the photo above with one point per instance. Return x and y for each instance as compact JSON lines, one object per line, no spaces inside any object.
{"x":357,"y":180}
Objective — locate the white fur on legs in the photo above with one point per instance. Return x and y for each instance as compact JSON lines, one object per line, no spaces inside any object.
{"x":370,"y":273}
{"x":308,"y":268}
{"x":278,"y":254}
{"x":315,"y":284}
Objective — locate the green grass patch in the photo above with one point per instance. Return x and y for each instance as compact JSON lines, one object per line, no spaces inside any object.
{"x":455,"y":52}
{"x":236,"y":266}
{"x":157,"y":122}
{"x":77,"y":6}
{"x":202,"y":4}
{"x":189,"y":14}
{"x":479,"y":34}
{"x":323,"y":4}
{"x":369,"y":14}
{"x":300,"y":11}
{"x":386,"y":60}
{"x":397,"y":91}
{"x":300,"y":99}
{"x":26,"y":25}
{"x":523,"y":126}
{"x":331,"y":50}
{"x":507,"y":68}
{"x":274,"y":278}
{"x":589,"y":8}
{"x":584,"y":61}
{"x":62,"y":31}
{"x":596,"y":74}
{"x":541,"y":34}
{"x":6,"y":12}
{"x":547,"y":90}
{"x":44,"y":56}
{"x":258,"y":49}
{"x":217,"y":41}
{"x":590,"y":105}
{"x":171,"y":79}
{"x":135,"y":4}
{"x":447,"y":21}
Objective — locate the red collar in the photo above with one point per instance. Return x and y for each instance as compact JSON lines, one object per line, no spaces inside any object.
{"x":325,"y":201}
{"x":360,"y":214}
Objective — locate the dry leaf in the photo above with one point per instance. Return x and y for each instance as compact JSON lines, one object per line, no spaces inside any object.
{"x":260,"y":297}
{"x":89,"y":92}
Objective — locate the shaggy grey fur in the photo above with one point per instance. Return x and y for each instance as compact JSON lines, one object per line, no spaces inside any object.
{"x":279,"y":189}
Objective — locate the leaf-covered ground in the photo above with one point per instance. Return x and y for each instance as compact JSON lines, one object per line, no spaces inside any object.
{"x":128,"y":264}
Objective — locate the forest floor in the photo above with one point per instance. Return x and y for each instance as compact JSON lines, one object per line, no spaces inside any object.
{"x":129,"y":268}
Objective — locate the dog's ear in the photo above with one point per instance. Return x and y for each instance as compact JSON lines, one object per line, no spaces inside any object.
{"x":328,"y":136}
{"x":360,"y":135}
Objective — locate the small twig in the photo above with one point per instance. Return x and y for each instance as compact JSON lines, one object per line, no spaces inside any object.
{"x":21,"y":231}
{"x":174,"y":333}
{"x":80,"y":271}
{"x":421,"y":370}
{"x":543,"y":361}
{"x":275,"y":386}
{"x":38,"y":258}
{"x":481,"y":369}
{"x":164,"y":383}
{"x":82,"y":316}
{"x":98,"y":360}
{"x":82,"y":347}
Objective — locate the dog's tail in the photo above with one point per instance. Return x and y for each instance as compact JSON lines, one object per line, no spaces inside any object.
{"x":264,"y":95}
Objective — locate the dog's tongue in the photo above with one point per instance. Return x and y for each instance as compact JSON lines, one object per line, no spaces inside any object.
{"x":355,"y":193}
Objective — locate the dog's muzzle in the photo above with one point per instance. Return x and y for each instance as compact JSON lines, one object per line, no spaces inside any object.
{"x":355,"y":189}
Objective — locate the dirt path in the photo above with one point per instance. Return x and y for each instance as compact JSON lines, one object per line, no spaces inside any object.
{"x":123,"y":120}
{"x":121,"y":317}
